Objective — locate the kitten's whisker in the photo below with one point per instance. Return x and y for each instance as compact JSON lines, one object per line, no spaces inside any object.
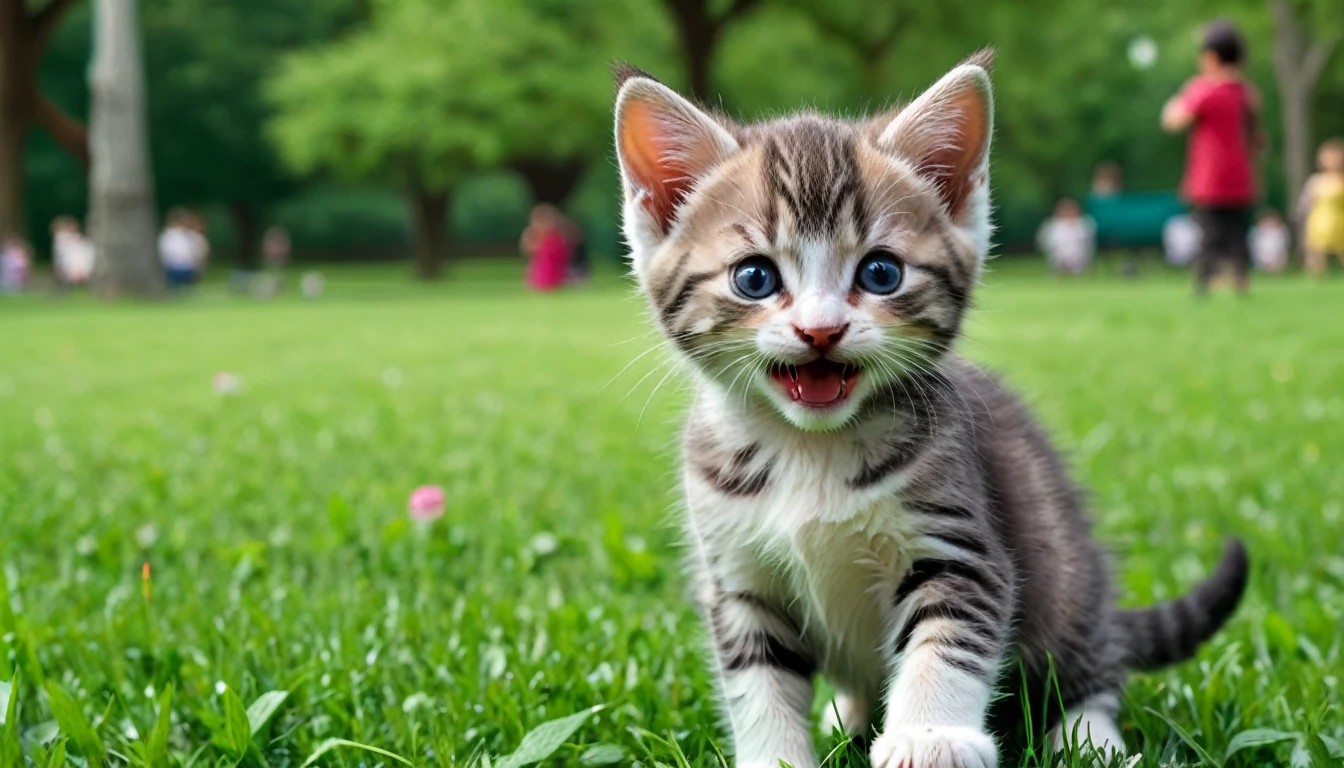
{"x":750,"y":359}
{"x":649,"y":399}
{"x":654,"y":370}
{"x":651,"y":333}
{"x":638,"y":357}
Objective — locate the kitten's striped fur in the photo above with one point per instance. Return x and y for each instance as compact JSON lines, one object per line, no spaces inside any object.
{"x":919,"y":540}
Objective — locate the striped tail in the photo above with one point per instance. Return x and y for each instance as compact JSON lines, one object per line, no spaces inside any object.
{"x":1172,"y":631}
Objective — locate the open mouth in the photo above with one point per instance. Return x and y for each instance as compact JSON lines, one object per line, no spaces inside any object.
{"x":821,"y":383}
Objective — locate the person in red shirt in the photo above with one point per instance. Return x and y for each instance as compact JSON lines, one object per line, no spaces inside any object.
{"x":1221,"y":111}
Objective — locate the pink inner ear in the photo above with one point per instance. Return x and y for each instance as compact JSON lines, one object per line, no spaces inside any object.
{"x":655,"y":161}
{"x":954,"y":165}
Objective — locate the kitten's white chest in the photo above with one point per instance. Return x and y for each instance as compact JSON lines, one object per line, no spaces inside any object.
{"x":837,"y":555}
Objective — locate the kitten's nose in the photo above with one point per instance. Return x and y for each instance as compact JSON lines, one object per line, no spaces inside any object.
{"x":821,"y":339}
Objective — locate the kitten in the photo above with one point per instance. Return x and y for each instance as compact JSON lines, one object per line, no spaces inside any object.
{"x":863,"y":502}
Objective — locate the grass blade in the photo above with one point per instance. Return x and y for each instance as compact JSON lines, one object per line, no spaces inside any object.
{"x":236,"y":737}
{"x":9,"y":722}
{"x":6,"y":689}
{"x":264,"y":708}
{"x":156,"y":749}
{"x":542,"y":742}
{"x":1188,"y":739}
{"x":56,"y":757}
{"x":331,"y":744}
{"x":603,"y":754}
{"x":1255,"y":737}
{"x":75,"y":726}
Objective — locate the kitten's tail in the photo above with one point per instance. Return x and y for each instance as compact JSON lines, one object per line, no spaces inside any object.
{"x":1170,"y":632}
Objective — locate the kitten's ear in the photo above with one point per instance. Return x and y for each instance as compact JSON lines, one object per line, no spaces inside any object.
{"x":665,"y":143}
{"x":945,"y":133}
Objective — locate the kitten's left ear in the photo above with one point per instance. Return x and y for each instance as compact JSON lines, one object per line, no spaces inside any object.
{"x":665,"y":145}
{"x":945,"y":133}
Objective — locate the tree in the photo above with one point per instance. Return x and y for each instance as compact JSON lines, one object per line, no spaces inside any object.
{"x":699,"y":30}
{"x":206,"y":61}
{"x":1303,"y":45}
{"x":122,"y":215}
{"x":869,"y":30}
{"x":567,"y":129}
{"x":427,"y":94}
{"x":385,"y":104}
{"x":23,"y":39}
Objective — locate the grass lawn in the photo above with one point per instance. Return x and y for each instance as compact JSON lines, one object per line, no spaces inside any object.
{"x":273,"y":520}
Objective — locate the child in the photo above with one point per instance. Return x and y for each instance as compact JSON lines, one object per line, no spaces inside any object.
{"x":182,"y":249}
{"x":71,"y":251}
{"x":1221,"y":111}
{"x":1269,"y":242}
{"x":15,"y":265}
{"x":1068,"y":239}
{"x":547,"y":249}
{"x":1180,"y":240}
{"x":1323,"y":203}
{"x":275,"y":246}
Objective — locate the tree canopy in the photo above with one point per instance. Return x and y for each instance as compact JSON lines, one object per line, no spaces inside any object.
{"x":432,"y":91}
{"x":255,"y":102}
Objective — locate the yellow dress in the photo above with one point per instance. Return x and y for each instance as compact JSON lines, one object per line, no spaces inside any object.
{"x":1325,"y":221}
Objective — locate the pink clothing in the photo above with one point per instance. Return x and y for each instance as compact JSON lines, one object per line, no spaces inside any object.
{"x":1218,"y":171}
{"x":550,"y":263}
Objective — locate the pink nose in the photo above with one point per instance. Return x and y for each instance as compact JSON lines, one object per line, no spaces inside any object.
{"x":821,"y":339}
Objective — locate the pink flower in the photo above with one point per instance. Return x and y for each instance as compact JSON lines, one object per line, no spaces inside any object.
{"x":426,"y":504}
{"x":226,"y":383}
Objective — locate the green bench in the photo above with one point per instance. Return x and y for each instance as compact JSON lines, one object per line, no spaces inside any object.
{"x":1132,"y":219}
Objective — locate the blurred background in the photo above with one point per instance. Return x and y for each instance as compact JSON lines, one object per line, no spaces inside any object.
{"x":424,"y":130}
{"x":361,"y":489}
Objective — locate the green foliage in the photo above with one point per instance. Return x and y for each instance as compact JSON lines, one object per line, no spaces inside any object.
{"x":429,"y":91}
{"x":330,"y":745}
{"x":155,"y":752}
{"x":395,"y":92}
{"x":283,"y":558}
{"x":543,"y":741}
{"x":234,"y":738}
{"x":72,"y":721}
{"x":10,"y":753}
{"x":263,"y":709}
{"x":205,"y":62}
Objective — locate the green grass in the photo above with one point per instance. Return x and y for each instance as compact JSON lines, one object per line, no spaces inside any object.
{"x":283,"y":559}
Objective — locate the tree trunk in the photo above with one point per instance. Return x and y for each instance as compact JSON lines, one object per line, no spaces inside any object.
{"x":429,"y":216}
{"x":13,"y":131}
{"x":16,"y":113}
{"x":246,"y":235}
{"x":552,"y":181}
{"x":1298,"y":63}
{"x":697,"y":34}
{"x":121,"y":195}
{"x":1296,"y":108}
{"x":23,"y":37}
{"x":66,"y":131}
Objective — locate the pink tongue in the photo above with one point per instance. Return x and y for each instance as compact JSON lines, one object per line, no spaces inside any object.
{"x":817,"y":385}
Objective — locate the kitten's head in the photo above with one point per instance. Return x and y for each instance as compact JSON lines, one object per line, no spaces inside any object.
{"x":808,"y":261}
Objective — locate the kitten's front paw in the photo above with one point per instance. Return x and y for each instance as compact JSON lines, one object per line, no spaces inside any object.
{"x":934,"y":747}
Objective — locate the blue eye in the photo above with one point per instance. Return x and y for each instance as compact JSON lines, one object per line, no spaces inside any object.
{"x":879,"y":273}
{"x":756,"y":278}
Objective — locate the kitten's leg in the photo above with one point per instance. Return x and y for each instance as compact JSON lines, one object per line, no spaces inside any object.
{"x":1092,"y":722}
{"x":952,"y":618}
{"x":766,"y":681}
{"x":847,"y":713}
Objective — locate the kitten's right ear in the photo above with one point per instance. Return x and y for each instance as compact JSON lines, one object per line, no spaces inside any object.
{"x":665,"y":144}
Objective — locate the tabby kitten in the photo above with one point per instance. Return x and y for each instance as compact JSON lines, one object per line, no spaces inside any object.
{"x":863,"y":502}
